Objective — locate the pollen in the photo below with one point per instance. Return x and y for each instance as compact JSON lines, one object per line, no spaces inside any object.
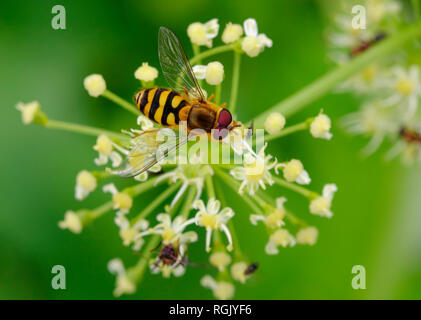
{"x":209,"y":221}
{"x":168,"y":234}
{"x":405,"y":86}
{"x":255,"y":170}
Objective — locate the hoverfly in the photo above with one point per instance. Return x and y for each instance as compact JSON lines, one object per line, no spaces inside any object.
{"x":183,"y":102}
{"x":364,"y":45}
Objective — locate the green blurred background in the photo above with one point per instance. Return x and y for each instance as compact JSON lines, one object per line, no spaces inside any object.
{"x":377,"y":208}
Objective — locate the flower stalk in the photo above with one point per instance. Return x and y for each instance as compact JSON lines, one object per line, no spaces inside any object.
{"x":211,"y":52}
{"x":121,"y":102}
{"x":83,"y":129}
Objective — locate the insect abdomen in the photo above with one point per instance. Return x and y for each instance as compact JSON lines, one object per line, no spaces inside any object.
{"x":161,"y":105}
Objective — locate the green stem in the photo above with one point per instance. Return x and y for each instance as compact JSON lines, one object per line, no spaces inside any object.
{"x":235,"y":81}
{"x":324,"y":84}
{"x":211,"y":52}
{"x":289,"y":215}
{"x":187,"y":206}
{"x":121,"y":102}
{"x":141,"y":187}
{"x":99,"y":211}
{"x":289,"y":130}
{"x":296,"y":188}
{"x":236,"y":243}
{"x":136,"y":272}
{"x":155,"y":203}
{"x":79,"y":128}
{"x":209,"y":186}
{"x":108,"y":206}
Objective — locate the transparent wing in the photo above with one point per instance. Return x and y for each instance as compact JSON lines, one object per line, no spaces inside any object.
{"x":175,"y":65}
{"x":149,"y":148}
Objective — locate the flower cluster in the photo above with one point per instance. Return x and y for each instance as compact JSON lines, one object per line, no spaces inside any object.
{"x":390,"y":89}
{"x":191,"y":194}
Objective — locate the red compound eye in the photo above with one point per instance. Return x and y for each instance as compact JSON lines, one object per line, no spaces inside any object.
{"x":224,"y":119}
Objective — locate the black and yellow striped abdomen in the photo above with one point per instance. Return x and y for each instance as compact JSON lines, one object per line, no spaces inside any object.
{"x":161,"y":105}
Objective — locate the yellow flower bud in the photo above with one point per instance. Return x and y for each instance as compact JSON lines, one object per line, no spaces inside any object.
{"x":72,"y":222}
{"x":122,"y":200}
{"x":293,"y":169}
{"x":220,"y":260}
{"x":307,"y":236}
{"x":103,"y":145}
{"x":95,"y":85}
{"x":232,"y":33}
{"x":146,"y":72}
{"x":214,"y":73}
{"x":224,"y":290}
{"x":320,"y":126}
{"x":274,"y":123}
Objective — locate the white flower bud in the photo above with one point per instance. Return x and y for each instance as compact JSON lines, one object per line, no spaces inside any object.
{"x":103,"y":145}
{"x":31,"y":112}
{"x":72,"y":222}
{"x":274,"y":123}
{"x":224,"y":290}
{"x":220,"y":260}
{"x":254,"y":43}
{"x":320,"y":126}
{"x":146,"y":73}
{"x":294,"y":171}
{"x":214,"y":73}
{"x":85,"y":183}
{"x":202,"y":34}
{"x":251,"y":46}
{"x":307,"y":236}
{"x":232,"y":33}
{"x":95,"y":85}
{"x":321,"y":205}
{"x":238,"y":271}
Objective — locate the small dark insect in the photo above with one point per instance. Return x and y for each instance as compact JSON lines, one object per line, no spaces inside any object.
{"x":410,"y":135}
{"x":251,"y":269}
{"x":170,"y":256}
{"x":364,"y":45}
